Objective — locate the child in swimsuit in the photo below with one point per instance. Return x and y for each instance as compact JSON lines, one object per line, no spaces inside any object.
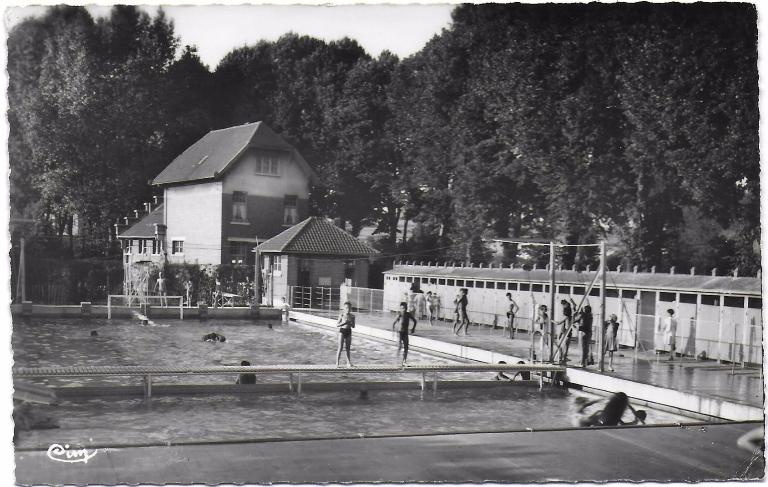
{"x":403,"y":317}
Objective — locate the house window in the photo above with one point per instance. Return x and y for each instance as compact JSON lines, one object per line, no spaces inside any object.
{"x":277,"y":263}
{"x":155,"y":247}
{"x":268,"y":164}
{"x":239,"y":206}
{"x":142,"y":246}
{"x":290,"y":210}
{"x":177,"y":247}
{"x":239,"y":251}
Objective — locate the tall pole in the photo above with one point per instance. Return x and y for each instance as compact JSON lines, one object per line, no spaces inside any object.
{"x":551,"y":301}
{"x":601,"y":323}
{"x":257,"y":276}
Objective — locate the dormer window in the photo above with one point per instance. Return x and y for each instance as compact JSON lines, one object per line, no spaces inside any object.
{"x":268,"y":164}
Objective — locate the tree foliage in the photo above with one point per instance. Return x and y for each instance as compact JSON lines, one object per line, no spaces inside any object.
{"x":637,"y":123}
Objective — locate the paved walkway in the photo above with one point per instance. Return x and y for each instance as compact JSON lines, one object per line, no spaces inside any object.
{"x":706,"y":378}
{"x":636,"y":454}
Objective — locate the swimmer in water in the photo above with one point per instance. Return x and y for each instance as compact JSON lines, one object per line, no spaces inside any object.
{"x":214,"y":337}
{"x":611,"y":414}
{"x":246,"y":378}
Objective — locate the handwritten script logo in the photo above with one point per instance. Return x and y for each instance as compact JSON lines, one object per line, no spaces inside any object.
{"x":64,"y":454}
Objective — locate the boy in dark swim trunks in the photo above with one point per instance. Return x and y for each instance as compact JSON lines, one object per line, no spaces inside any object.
{"x":345,"y":324}
{"x":404,"y":317}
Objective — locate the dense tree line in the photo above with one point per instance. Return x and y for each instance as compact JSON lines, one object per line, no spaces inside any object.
{"x":637,"y":123}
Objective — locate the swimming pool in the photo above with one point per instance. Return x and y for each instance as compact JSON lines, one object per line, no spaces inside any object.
{"x":67,"y":342}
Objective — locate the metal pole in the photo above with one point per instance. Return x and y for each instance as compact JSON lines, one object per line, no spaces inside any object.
{"x":602,"y":307}
{"x":257,"y":277}
{"x":552,"y":301}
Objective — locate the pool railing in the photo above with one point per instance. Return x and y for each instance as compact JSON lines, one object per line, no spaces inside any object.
{"x":143,"y":300}
{"x":148,"y":372}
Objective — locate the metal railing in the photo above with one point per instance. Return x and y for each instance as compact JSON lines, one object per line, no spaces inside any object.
{"x":147,"y":372}
{"x":136,"y":301}
{"x":314,"y":297}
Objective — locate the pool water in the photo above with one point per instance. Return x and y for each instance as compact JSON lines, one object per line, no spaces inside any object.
{"x":67,"y":342}
{"x":162,"y":419}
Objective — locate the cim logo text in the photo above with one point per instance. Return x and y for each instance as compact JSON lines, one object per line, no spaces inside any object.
{"x":64,"y":454}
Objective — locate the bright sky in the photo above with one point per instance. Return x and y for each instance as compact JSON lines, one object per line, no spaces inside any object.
{"x":216,"y":30}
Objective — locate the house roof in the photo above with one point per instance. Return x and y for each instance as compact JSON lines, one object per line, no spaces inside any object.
{"x":144,"y":228}
{"x":317,"y":236}
{"x":629,"y":280}
{"x":211,"y":156}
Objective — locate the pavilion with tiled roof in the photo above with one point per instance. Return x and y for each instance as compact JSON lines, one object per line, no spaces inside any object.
{"x":314,"y":253}
{"x":317,"y":236}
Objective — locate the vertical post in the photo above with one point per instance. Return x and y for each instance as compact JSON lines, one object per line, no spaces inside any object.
{"x":552,"y":301}
{"x":298,"y":385}
{"x":434,"y":383}
{"x":109,"y":306}
{"x":720,"y":331}
{"x":257,"y":276}
{"x":744,"y":346}
{"x":148,"y":386}
{"x":21,"y":284}
{"x":181,"y":308}
{"x":602,"y":321}
{"x":290,"y":382}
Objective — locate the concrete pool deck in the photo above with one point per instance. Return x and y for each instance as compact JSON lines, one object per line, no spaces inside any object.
{"x":705,"y":388}
{"x":706,"y":452}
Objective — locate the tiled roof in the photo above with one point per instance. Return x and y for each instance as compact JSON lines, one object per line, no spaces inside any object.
{"x":211,"y":156}
{"x":144,"y":228}
{"x":628,"y":280}
{"x":317,"y":236}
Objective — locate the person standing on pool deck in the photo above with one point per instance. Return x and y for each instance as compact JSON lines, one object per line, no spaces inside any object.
{"x":431,"y":307}
{"x":160,"y":288}
{"x":345,"y":324}
{"x":463,"y":317}
{"x":403,"y":317}
{"x":511,"y":312}
{"x":670,"y":330}
{"x":565,"y":330}
{"x":610,"y":330}
{"x":584,"y":319}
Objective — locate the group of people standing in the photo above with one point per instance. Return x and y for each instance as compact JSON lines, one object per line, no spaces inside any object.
{"x":582,"y":320}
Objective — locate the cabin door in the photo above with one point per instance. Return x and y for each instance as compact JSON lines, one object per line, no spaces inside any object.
{"x":646,"y":322}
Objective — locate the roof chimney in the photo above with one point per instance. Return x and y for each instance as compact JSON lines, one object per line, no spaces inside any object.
{"x":618,"y":269}
{"x":693,"y":271}
{"x":653,"y":269}
{"x":736,"y":272}
{"x":634,"y":269}
{"x":672,"y":270}
{"x":714,"y":271}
